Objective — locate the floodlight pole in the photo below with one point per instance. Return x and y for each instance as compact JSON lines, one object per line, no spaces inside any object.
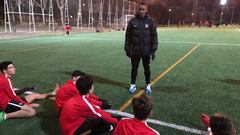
{"x":221,"y":16}
{"x":169,"y":17}
{"x":195,"y":10}
{"x":31,"y":17}
{"x":66,"y":12}
{"x":222,"y":3}
{"x":109,"y":23}
{"x":232,"y":14}
{"x":134,"y":8}
{"x":192,"y":19}
{"x":50,"y":17}
{"x":90,"y":17}
{"x":129,"y":7}
{"x":79,"y":19}
{"x":116,"y":15}
{"x":123,"y":16}
{"x":100,"y":20}
{"x":7,"y":16}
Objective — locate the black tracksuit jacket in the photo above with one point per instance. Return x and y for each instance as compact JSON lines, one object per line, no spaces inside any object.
{"x":141,"y":36}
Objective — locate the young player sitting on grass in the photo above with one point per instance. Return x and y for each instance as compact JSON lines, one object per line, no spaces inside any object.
{"x":68,"y":90}
{"x":13,"y":106}
{"x":142,"y":109}
{"x":79,"y":114}
{"x":218,"y":124}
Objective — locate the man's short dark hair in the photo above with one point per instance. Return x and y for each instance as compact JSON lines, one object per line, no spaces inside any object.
{"x":84,"y":84}
{"x":77,"y":73}
{"x":221,"y":125}
{"x":4,"y":65}
{"x":142,"y":4}
{"x":142,"y":107}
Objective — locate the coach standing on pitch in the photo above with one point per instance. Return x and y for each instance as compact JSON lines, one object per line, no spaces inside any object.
{"x":141,"y":43}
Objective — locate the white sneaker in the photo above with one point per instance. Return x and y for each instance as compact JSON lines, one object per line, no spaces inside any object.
{"x":132,"y":88}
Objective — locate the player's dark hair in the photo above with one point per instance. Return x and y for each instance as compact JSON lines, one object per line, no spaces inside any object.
{"x":4,"y":65}
{"x":77,"y":73}
{"x":142,"y":4}
{"x":142,"y":107}
{"x":84,"y":84}
{"x":221,"y":125}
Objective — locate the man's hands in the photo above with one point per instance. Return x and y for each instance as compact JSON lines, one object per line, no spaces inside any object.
{"x":153,"y":55}
{"x":128,"y":53}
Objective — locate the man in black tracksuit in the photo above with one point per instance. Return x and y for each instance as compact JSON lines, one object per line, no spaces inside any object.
{"x":141,"y":43}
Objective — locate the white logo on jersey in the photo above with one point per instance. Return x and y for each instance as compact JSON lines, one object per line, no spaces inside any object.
{"x":146,"y":25}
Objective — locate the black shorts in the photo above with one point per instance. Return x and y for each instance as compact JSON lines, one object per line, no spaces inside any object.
{"x":13,"y":106}
{"x":96,"y":125}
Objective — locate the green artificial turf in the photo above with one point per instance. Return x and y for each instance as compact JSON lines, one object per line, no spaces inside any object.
{"x":208,"y":80}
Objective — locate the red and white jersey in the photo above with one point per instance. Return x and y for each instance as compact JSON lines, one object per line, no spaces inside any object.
{"x":69,"y":90}
{"x":132,"y":126}
{"x":6,"y":92}
{"x":67,"y":27}
{"x":76,"y":110}
{"x":93,"y":99}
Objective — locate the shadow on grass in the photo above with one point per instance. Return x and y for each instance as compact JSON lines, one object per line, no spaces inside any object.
{"x":99,"y":79}
{"x":230,"y":81}
{"x":171,"y":89}
{"x":49,"y":118}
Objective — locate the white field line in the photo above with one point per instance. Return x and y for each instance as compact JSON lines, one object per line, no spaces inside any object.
{"x":18,"y":40}
{"x":122,"y":39}
{"x":162,"y":123}
{"x":163,"y":41}
{"x":202,"y":43}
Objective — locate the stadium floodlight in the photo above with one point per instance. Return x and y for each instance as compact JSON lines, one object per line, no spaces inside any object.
{"x":222,"y":3}
{"x":169,"y":17}
{"x":192,"y":19}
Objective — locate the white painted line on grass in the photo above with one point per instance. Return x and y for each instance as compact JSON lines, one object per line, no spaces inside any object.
{"x":122,"y":39}
{"x":18,"y":40}
{"x":163,"y":41}
{"x":202,"y":43}
{"x":162,"y":123}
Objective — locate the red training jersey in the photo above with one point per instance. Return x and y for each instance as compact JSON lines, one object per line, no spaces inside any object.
{"x":132,"y":126}
{"x":7,"y":93}
{"x":67,"y":27}
{"x":67,"y":91}
{"x":76,"y":110}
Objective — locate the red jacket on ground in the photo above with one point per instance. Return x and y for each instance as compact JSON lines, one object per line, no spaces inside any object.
{"x":132,"y":126}
{"x":76,"y":110}
{"x":6,"y":92}
{"x":69,"y":90}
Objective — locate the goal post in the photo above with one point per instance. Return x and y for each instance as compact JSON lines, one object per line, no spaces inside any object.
{"x":128,"y":17}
